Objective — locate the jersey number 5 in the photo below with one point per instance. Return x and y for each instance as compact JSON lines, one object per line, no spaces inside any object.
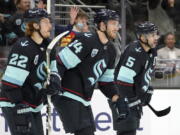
{"x":130,"y":61}
{"x":18,"y":60}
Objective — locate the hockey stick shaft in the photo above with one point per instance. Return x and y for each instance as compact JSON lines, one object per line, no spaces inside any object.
{"x":161,"y":112}
{"x":48,"y":51}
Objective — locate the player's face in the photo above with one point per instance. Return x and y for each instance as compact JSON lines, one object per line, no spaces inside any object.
{"x":113,"y":27}
{"x":152,"y":39}
{"x":45,"y":27}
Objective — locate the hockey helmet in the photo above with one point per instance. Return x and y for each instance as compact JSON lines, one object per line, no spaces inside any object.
{"x":103,"y":15}
{"x":145,"y":28}
{"x":35,"y":15}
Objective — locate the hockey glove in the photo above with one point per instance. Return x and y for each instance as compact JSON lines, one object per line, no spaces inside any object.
{"x":122,"y":108}
{"x":22,"y":119}
{"x":54,"y":85}
{"x":146,"y":98}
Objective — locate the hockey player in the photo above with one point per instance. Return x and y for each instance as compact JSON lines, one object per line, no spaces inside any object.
{"x":22,"y":83}
{"x":88,"y":59}
{"x":133,"y":76}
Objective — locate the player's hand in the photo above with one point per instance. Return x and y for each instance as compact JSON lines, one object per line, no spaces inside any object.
{"x":146,"y":98}
{"x":73,"y":14}
{"x":122,"y":108}
{"x":54,"y":85}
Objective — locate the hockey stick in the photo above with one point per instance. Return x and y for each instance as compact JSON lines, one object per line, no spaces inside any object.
{"x":48,"y":51}
{"x":161,"y":112}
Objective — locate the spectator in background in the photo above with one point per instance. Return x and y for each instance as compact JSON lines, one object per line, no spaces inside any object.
{"x":41,"y":4}
{"x":169,"y":51}
{"x":136,"y":12}
{"x":73,"y":14}
{"x":15,"y":25}
{"x":158,"y":16}
{"x":80,"y":24}
{"x":172,"y":8}
{"x":7,"y":8}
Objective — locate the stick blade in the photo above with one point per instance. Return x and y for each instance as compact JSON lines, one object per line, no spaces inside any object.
{"x":164,"y":112}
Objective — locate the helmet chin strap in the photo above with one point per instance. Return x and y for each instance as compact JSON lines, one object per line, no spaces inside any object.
{"x":39,"y":32}
{"x":105,"y":32}
{"x":146,"y":43}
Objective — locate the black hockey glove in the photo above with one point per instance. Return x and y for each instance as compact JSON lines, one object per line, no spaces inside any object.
{"x":22,"y":119}
{"x":146,"y":98}
{"x":122,"y":108}
{"x":54,"y":85}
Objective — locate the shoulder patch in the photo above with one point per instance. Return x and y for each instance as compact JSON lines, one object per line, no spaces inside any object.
{"x":138,"y":49}
{"x":94,"y":52}
{"x":18,"y":21}
{"x":36,"y":59}
{"x":88,"y":34}
{"x":24,"y":43}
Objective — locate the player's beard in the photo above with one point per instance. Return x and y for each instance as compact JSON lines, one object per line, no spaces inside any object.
{"x":46,"y":34}
{"x":112,"y":34}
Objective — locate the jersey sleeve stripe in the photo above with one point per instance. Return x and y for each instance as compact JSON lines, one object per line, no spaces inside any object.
{"x":108,"y":76}
{"x":9,"y":84}
{"x":53,"y":66}
{"x":126,"y":75}
{"x":124,"y":84}
{"x":69,"y":58}
{"x":15,"y":75}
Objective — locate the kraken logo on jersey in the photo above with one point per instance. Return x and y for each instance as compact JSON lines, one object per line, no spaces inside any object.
{"x":97,"y":69}
{"x":147,"y":78}
{"x":42,"y":71}
{"x":94,"y":52}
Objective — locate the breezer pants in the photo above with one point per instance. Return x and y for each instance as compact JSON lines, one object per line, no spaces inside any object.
{"x":76,"y":117}
{"x":36,"y":121}
{"x":129,"y":125}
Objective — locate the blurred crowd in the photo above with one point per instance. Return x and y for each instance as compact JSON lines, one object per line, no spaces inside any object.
{"x":11,"y":18}
{"x":164,"y":13}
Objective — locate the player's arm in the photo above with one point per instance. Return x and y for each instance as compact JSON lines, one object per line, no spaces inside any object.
{"x":73,"y":54}
{"x":106,"y":81}
{"x":107,"y":84}
{"x":109,"y":88}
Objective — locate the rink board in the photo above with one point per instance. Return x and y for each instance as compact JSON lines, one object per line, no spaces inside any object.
{"x":150,"y":124}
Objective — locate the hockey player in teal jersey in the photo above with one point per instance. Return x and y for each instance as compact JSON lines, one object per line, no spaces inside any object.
{"x":88,"y":59}
{"x":22,"y":92}
{"x":133,"y":76}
